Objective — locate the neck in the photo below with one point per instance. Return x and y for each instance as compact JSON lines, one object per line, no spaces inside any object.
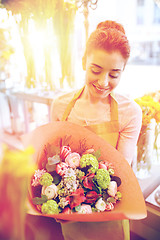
{"x":93,"y":100}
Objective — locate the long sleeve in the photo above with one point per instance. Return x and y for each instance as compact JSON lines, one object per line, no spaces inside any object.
{"x":130,"y":124}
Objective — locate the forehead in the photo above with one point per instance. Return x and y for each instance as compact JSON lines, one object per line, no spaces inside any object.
{"x":105,"y":59}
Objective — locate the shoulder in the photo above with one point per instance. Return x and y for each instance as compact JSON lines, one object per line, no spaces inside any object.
{"x":59,"y":105}
{"x":64,"y":99}
{"x":127,"y":105}
{"x":129,"y":112}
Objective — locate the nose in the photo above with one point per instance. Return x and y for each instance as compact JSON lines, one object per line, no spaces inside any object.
{"x":103,"y":81}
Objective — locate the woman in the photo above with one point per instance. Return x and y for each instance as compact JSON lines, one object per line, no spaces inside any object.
{"x":110,"y":115}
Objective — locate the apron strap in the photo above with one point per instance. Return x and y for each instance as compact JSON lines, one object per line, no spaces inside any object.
{"x":114,"y":107}
{"x":71,"y":104}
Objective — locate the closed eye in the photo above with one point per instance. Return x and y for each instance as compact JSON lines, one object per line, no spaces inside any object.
{"x":112,"y":76}
{"x":95,"y":72}
{"x":96,"y":69}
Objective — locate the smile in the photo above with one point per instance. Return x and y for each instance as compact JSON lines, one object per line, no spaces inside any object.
{"x":101,"y":89}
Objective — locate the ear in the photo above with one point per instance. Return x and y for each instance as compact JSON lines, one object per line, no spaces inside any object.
{"x":84,"y":62}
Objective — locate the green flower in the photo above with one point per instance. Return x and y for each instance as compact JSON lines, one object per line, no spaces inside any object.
{"x":79,"y":174}
{"x":46,"y":179}
{"x":50,"y":207}
{"x":103,"y":178}
{"x":111,"y":171}
{"x":118,"y":196}
{"x":88,"y":160}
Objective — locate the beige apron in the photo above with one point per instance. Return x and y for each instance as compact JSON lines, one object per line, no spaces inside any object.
{"x":100,"y":230}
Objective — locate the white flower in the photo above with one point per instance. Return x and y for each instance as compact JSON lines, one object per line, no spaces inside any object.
{"x":50,"y":191}
{"x":100,"y":205}
{"x":54,"y":160}
{"x":70,"y":179}
{"x":85,"y":208}
{"x":112,"y":188}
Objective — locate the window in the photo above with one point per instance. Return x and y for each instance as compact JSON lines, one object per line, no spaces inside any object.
{"x":140,"y":11}
{"x":140,"y":2}
{"x":156,"y":18}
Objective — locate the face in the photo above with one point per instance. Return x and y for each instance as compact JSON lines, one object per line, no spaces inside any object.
{"x":103,"y":72}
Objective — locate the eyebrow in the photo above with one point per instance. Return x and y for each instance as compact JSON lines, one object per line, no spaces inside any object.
{"x":113,"y":70}
{"x":95,"y":65}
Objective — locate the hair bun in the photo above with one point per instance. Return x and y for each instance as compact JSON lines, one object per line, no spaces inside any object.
{"x":111,"y":24}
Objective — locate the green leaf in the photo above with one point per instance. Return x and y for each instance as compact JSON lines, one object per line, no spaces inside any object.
{"x":96,"y":188}
{"x":105,"y":196}
{"x":111,"y":199}
{"x":97,"y":153}
{"x":56,"y":179}
{"x":94,"y":209}
{"x":39,"y":201}
{"x":78,"y":208}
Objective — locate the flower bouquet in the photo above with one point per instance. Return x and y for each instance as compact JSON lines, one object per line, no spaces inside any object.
{"x":80,"y":177}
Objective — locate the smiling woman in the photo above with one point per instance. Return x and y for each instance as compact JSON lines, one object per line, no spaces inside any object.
{"x":103,"y":71}
{"x":106,"y":55}
{"x":111,"y":116}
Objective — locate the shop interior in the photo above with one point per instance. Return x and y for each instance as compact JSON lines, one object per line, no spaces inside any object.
{"x":41,"y":47}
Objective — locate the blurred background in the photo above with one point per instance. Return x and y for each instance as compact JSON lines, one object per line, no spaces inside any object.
{"x":41,"y":48}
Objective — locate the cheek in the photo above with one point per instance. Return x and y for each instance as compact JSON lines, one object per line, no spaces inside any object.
{"x":89,"y":78}
{"x":114,"y":82}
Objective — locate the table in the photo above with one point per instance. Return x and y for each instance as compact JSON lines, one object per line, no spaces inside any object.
{"x":149,"y":228}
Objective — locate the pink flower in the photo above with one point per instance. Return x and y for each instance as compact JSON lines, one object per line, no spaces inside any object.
{"x":38,"y":174}
{"x":76,"y":198}
{"x":64,"y":152}
{"x":61,"y":168}
{"x":91,"y":197}
{"x":85,"y":208}
{"x":105,"y":165}
{"x":109,"y":206}
{"x":73,"y":159}
{"x":102,"y":165}
{"x":88,"y":180}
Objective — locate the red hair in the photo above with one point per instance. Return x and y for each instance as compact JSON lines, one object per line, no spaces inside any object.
{"x":111,"y":24}
{"x":109,"y":36}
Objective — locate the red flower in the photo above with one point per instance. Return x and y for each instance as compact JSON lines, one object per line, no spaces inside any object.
{"x":87,"y":180}
{"x":64,"y":152}
{"x":76,"y":198}
{"x":91,"y":197}
{"x":67,"y":210}
{"x":61,"y":168}
{"x":109,"y":207}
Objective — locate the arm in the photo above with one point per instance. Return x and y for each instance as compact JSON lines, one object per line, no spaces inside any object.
{"x":129,"y":134}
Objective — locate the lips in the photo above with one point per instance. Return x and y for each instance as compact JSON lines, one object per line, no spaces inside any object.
{"x":100,"y":88}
